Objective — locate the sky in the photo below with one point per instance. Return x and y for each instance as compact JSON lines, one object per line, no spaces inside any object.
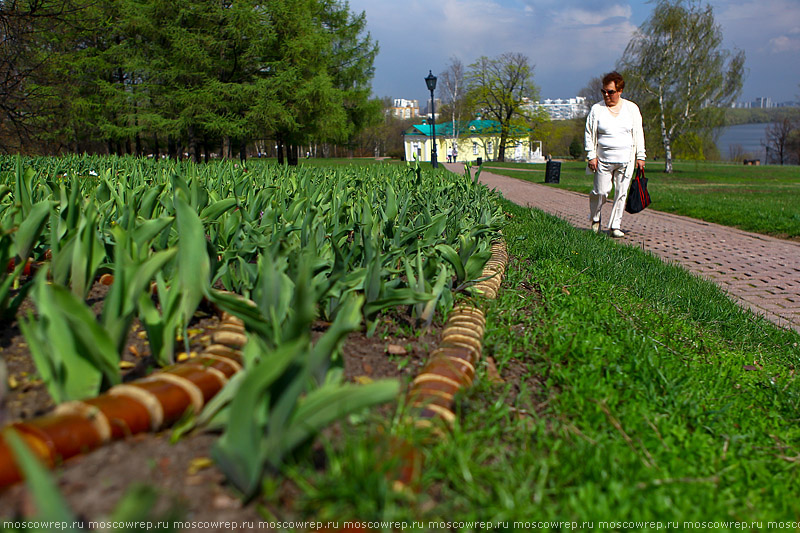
{"x":567,"y":41}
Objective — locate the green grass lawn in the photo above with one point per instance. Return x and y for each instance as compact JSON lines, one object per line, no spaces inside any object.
{"x":327,"y":162}
{"x":643,"y":393}
{"x":762,"y":199}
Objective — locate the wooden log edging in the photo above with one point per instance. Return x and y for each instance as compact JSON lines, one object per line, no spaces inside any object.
{"x":154,"y":402}
{"x":451,"y":366}
{"x":151,"y":403}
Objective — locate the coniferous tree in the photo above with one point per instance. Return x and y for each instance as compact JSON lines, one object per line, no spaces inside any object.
{"x":129,"y":76}
{"x":29,"y":32}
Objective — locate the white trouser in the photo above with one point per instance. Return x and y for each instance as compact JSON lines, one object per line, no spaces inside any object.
{"x":606,"y":175}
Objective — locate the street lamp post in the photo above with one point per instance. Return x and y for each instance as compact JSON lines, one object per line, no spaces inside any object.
{"x":430,"y":81}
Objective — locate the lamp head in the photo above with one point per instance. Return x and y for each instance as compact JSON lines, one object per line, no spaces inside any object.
{"x":430,"y":81}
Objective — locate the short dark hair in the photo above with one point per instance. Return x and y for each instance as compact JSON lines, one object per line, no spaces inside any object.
{"x":616,"y":77}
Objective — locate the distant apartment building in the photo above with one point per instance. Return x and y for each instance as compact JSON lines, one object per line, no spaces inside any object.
{"x":564,"y":108}
{"x":402,"y":108}
{"x":763,"y":102}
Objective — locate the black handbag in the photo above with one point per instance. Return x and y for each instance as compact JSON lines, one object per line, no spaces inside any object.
{"x":638,"y":197}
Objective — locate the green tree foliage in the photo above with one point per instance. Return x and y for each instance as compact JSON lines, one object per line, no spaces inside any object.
{"x":198,"y":76}
{"x":678,"y":74}
{"x":780,"y":134}
{"x":793,"y":144}
{"x":500,"y":88}
{"x":27,"y":30}
{"x":576,"y":148}
{"x":83,"y":73}
{"x":558,"y":136}
{"x":385,"y":137}
{"x":316,"y":81}
{"x":350,"y":64}
{"x":195,"y":64}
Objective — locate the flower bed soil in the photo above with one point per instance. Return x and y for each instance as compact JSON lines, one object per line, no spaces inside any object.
{"x":92,"y":484}
{"x":186,"y":481}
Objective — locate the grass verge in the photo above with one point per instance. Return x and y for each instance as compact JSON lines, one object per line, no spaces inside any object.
{"x":329,"y":162}
{"x":761,"y":199}
{"x":633,"y":391}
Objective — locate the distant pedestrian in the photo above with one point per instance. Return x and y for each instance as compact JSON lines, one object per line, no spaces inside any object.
{"x":614,"y":143}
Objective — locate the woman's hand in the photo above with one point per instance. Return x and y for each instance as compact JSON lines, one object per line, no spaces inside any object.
{"x":593,"y":164}
{"x":640,"y":164}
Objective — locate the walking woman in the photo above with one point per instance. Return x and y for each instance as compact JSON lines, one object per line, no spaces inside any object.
{"x":614,"y":144}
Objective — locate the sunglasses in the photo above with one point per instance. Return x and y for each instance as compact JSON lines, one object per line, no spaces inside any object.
{"x":609,"y":93}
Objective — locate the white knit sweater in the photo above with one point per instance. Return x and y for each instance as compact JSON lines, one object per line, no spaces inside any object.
{"x":637,"y":140}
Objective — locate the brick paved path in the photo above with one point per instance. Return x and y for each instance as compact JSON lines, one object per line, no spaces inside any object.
{"x":762,"y":273}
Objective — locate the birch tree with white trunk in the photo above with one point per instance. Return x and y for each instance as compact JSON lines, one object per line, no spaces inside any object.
{"x":452,"y":83}
{"x":677,"y":72}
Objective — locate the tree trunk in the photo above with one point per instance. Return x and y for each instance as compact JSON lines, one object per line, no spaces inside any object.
{"x":194,"y":146}
{"x":667,"y":156}
{"x":156,"y":148}
{"x":137,"y":136}
{"x":242,"y":150}
{"x":281,"y":146}
{"x":226,"y":147}
{"x":291,"y":155}
{"x":665,"y":138}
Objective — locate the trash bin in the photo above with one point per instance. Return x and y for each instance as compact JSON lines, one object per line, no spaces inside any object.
{"x":479,"y":161}
{"x":552,"y":172}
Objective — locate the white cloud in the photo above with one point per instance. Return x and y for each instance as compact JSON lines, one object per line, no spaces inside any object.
{"x":569,"y":41}
{"x":784,"y":43}
{"x":579,"y":44}
{"x":471,"y":28}
{"x":577,"y":17}
{"x":789,"y":42}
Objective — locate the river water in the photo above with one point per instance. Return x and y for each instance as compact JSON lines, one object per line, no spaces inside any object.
{"x":751,"y":138}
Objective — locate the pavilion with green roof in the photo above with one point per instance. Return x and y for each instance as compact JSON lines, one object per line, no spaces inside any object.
{"x":470,"y":141}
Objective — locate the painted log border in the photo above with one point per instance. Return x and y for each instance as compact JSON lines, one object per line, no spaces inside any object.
{"x":156,"y":401}
{"x":151,"y":403}
{"x":450,"y":368}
